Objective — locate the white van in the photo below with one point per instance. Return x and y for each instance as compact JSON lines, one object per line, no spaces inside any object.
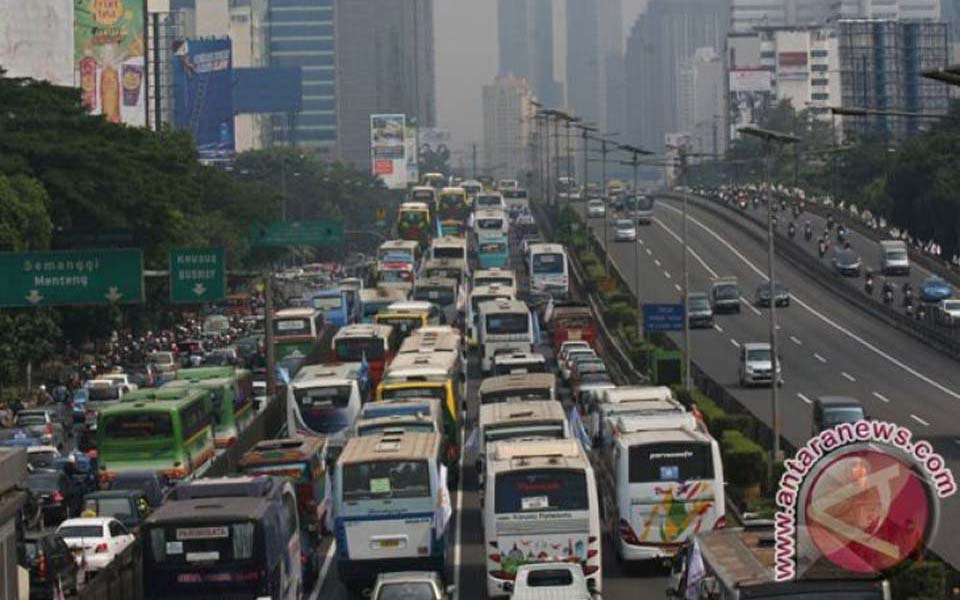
{"x":894,"y":258}
{"x":505,"y":326}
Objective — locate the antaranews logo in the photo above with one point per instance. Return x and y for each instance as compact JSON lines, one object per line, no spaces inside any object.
{"x":863,"y":495}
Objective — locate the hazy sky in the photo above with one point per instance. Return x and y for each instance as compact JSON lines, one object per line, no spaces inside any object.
{"x":466,"y":60}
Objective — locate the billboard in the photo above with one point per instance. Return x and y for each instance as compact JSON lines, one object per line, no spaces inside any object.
{"x":203,"y":84}
{"x":751,"y":93}
{"x":388,"y":149}
{"x":791,"y":65}
{"x":109,"y":57}
{"x":412,"y":154}
{"x":36,"y":39}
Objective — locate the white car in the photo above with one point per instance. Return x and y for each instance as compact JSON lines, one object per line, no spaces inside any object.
{"x":756,"y":365}
{"x":596,"y":208}
{"x":566,"y":367}
{"x":948,"y":312}
{"x":625,"y":230}
{"x":546,"y":581}
{"x":95,"y":541}
{"x":120,"y":380}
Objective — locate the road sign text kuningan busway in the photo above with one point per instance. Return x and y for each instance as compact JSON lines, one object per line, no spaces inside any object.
{"x":72,"y":277}
{"x":662,"y":317}
{"x":197,"y":275}
{"x":319,"y":232}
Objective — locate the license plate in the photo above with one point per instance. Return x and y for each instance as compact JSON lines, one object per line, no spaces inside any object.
{"x":389,"y":543}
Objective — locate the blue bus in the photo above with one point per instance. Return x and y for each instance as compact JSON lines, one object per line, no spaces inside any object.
{"x":334,"y":303}
{"x":493,"y":251}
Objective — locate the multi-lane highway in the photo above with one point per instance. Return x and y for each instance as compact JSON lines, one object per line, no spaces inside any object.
{"x":827,"y":346}
{"x":467,"y":554}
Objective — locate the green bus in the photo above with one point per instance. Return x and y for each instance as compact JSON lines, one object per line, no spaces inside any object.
{"x":298,"y":330}
{"x":232,"y":398}
{"x":165,"y":431}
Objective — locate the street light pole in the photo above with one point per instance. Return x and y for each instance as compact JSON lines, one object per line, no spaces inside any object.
{"x":687,"y":378}
{"x":556,"y":156}
{"x":603,"y":194}
{"x":768,"y":138}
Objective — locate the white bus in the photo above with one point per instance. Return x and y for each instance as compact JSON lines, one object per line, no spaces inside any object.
{"x":549,"y":269}
{"x":518,"y":387}
{"x":495,"y":275}
{"x":478,"y":295}
{"x":489,"y":200}
{"x":532,"y":419}
{"x":325,"y":399}
{"x":608,"y":414}
{"x":505,"y":326}
{"x":490,"y":221}
{"x":448,"y":247}
{"x":540,"y":505}
{"x":668,"y":485}
{"x":392,"y":507}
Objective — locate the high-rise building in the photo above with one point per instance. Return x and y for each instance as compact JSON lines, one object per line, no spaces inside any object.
{"x":661,"y":41}
{"x":507,"y":118}
{"x":303,"y":33}
{"x":904,"y":10}
{"x":745,"y":15}
{"x":594,"y":56}
{"x":385,"y":64}
{"x":701,"y":91}
{"x":249,"y":35}
{"x":881,"y":67}
{"x":525,"y":34}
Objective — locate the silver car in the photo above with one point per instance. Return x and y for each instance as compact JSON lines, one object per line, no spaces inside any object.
{"x":625,"y":231}
{"x":596,"y":209}
{"x":411,"y":585}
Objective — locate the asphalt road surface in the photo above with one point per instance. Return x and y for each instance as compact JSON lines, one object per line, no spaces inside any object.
{"x":827,"y":346}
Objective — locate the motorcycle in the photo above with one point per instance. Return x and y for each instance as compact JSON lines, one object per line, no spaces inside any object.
{"x":887,"y":293}
{"x":756,"y":202}
{"x":791,"y":230}
{"x":841,"y":233}
{"x":808,"y":231}
{"x":822,"y":248}
{"x":909,"y":309}
{"x":830,"y":223}
{"x":921,"y":312}
{"x":868,"y":285}
{"x":907,"y":294}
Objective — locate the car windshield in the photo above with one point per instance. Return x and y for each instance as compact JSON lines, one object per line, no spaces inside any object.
{"x":43,"y":482}
{"x":550,"y":578}
{"x":110,"y":507}
{"x":841,"y":414}
{"x":406,"y":591}
{"x":24,"y":420}
{"x":758,"y":355}
{"x":727,"y":292}
{"x":952,"y":305}
{"x":624,"y":224}
{"x":698,"y":302}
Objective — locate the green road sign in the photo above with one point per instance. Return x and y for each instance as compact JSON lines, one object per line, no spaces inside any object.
{"x":299,"y":233}
{"x":71,"y":277}
{"x":197,"y":275}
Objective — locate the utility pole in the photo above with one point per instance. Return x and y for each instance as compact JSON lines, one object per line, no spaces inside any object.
{"x":635,"y":162}
{"x":586,"y":161}
{"x":268,"y":338}
{"x":556,"y":155}
{"x":474,"y":159}
{"x":603,"y":194}
{"x":570,"y":172}
{"x":687,"y":379}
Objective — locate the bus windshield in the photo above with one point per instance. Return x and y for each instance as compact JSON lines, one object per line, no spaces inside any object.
{"x":670,"y":462}
{"x":355,"y":349}
{"x":291,"y":327}
{"x":508,"y":323}
{"x":327,"y":302}
{"x":404,"y":325}
{"x":489,"y":223}
{"x":544,"y":431}
{"x":336,"y":396}
{"x":396,"y":276}
{"x":493,"y":247}
{"x":414,"y":392}
{"x":132,"y":426}
{"x":444,"y":296}
{"x":537,"y":490}
{"x":548,"y":263}
{"x":377,"y":480}
{"x":516,"y":394}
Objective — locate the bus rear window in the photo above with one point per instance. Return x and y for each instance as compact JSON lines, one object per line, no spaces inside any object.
{"x":508,"y":323}
{"x":548,"y":263}
{"x":199,"y":545}
{"x":493,"y":248}
{"x":329,"y":396}
{"x":449,"y":252}
{"x":537,"y":490}
{"x":403,"y":325}
{"x":354,"y":349}
{"x":670,"y":462}
{"x":516,"y":394}
{"x":512,"y":432}
{"x":396,"y":276}
{"x":297,"y":471}
{"x":378,"y":480}
{"x":291,"y":327}
{"x":327,"y":302}
{"x":138,"y":426}
{"x":504,"y":281}
{"x":438,"y":295}
{"x":414,"y":392}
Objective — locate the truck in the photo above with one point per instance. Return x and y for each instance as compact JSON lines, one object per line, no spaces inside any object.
{"x":894,"y":258}
{"x":739,"y":563}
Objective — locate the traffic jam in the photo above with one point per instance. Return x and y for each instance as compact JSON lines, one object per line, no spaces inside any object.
{"x":462,"y":350}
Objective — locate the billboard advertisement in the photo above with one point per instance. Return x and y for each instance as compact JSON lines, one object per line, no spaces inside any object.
{"x":388,"y":149}
{"x":792,"y":65}
{"x":203,"y":84}
{"x":751,"y":93}
{"x":36,"y":39}
{"x":411,"y":154}
{"x":110,"y":69}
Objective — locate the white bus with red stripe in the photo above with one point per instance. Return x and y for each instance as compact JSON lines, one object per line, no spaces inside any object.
{"x":540,"y":505}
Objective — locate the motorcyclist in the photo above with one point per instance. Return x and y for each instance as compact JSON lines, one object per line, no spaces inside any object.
{"x":807,"y":231}
{"x":822,"y":247}
{"x":887,"y":292}
{"x":868,"y":282}
{"x":791,"y":229}
{"x":830,"y":222}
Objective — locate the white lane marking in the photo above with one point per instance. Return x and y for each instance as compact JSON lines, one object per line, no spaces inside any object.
{"x":796,"y":340}
{"x":755,"y":310}
{"x":718,"y":328}
{"x":823,"y":317}
{"x":919,"y":420}
{"x":656,"y":261}
{"x":820,"y":358}
{"x":848,"y":376}
{"x":649,"y":252}
{"x":666,"y":274}
{"x":677,"y":285}
{"x":640,"y":241}
{"x":881,"y":397}
{"x":693,"y":252}
{"x":804,"y":398}
{"x":735,"y":342}
{"x":327,"y":561}
{"x":457,"y":546}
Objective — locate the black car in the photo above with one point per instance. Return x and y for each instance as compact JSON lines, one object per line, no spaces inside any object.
{"x":53,"y":495}
{"x":130,"y":507}
{"x":781,"y":294}
{"x":830,"y":411}
{"x":51,"y":564}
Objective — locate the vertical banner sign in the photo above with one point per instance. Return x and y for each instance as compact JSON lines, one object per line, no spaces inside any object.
{"x":110,"y":58}
{"x":411,"y":152}
{"x":203,"y":83}
{"x":388,"y":150}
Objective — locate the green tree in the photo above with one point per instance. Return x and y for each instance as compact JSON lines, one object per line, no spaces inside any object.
{"x":24,"y":221}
